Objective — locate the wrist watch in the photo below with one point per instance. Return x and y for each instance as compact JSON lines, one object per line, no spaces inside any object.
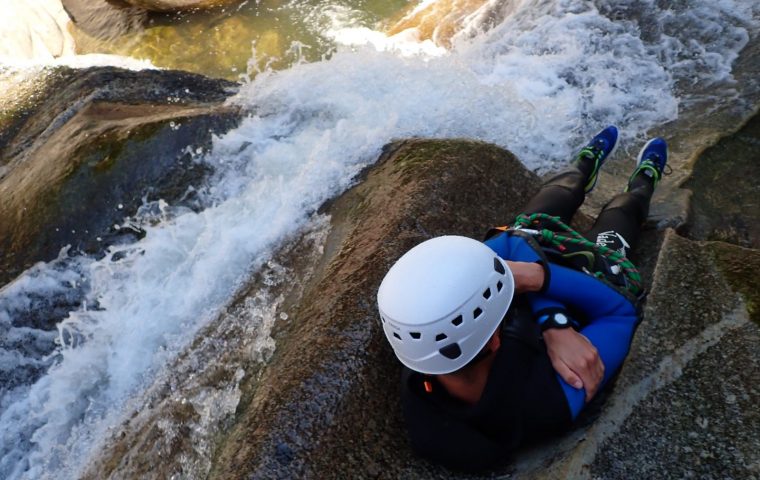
{"x":554,"y":320}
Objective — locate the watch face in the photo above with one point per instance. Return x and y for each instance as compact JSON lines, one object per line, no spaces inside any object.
{"x":560,"y":319}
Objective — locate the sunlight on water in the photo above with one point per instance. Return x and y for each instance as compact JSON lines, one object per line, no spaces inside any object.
{"x":539,"y":82}
{"x":438,"y":21}
{"x":219,"y":42}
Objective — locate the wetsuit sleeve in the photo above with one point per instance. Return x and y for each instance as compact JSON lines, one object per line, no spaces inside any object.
{"x":517,"y":249}
{"x":611,"y":318}
{"x":511,"y":247}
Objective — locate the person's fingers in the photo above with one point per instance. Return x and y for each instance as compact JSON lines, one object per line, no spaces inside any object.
{"x":592,"y":372}
{"x":590,"y":392}
{"x":600,"y":368}
{"x":585,"y":370}
{"x":568,"y":375}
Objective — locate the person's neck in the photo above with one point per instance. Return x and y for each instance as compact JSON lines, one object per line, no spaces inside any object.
{"x":468,"y":386}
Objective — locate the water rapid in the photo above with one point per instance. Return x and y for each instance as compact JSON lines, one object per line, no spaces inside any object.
{"x":545,"y":76}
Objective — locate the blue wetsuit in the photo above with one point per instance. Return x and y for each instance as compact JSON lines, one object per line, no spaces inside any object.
{"x":609,"y":317}
{"x":524,"y":399}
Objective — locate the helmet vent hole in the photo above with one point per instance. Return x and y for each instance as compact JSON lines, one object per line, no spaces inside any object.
{"x":440,"y":336}
{"x":397,"y":335}
{"x":487,"y":293}
{"x":476,"y":313}
{"x":382,"y":319}
{"x":451,"y":352}
{"x":499,"y":286}
{"x":457,"y":321}
{"x":415,"y":335}
{"x":497,"y":265}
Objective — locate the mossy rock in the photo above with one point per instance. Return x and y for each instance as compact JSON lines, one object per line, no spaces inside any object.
{"x":741,"y":269}
{"x":726,"y":198}
{"x":81,"y":154}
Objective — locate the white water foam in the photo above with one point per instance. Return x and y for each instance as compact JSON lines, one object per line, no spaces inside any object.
{"x":551,"y":74}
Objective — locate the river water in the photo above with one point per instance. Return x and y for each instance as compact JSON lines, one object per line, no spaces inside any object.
{"x":536,"y":76}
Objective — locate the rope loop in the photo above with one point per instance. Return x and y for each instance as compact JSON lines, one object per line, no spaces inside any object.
{"x":551,"y":237}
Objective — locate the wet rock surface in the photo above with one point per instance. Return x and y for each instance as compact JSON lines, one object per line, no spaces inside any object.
{"x":726,"y":203}
{"x":703,"y":425}
{"x":322,"y":401}
{"x":86,"y":151}
{"x":327,"y":404}
{"x":174,"y":436}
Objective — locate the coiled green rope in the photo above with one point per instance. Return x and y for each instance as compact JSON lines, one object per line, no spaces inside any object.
{"x":546,"y":236}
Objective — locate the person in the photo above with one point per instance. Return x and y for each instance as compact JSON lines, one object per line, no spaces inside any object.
{"x":503,"y":342}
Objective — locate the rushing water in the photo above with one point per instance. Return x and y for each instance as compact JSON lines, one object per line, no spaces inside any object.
{"x":544,"y":75}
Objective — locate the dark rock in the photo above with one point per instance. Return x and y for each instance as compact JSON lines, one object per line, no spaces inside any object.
{"x":80,"y":156}
{"x":104,"y":19}
{"x":726,"y":190}
{"x":670,"y":209}
{"x":740,"y":267}
{"x":177,"y":5}
{"x":283,"y":453}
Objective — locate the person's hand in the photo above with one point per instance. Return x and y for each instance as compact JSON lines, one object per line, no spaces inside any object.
{"x":575,"y":359}
{"x":529,"y":277}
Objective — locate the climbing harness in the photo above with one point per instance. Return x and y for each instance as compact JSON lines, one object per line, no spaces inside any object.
{"x":551,"y":237}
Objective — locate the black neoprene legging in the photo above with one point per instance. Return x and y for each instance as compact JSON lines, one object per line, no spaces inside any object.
{"x":616,"y":227}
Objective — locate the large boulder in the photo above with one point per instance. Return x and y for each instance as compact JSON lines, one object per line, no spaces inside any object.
{"x":295,"y":379}
{"x":325,"y":405}
{"x":81,"y":152}
{"x":78,"y":155}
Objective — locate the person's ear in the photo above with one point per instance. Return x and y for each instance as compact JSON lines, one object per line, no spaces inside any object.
{"x":495,"y":341}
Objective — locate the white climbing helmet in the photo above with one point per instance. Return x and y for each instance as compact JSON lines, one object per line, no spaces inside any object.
{"x":442,"y":301}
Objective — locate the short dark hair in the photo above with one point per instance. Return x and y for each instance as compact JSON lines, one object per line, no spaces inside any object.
{"x":482,"y":354}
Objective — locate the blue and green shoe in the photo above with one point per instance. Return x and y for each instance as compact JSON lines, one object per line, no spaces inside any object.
{"x":651,"y":162}
{"x":597,"y":150}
